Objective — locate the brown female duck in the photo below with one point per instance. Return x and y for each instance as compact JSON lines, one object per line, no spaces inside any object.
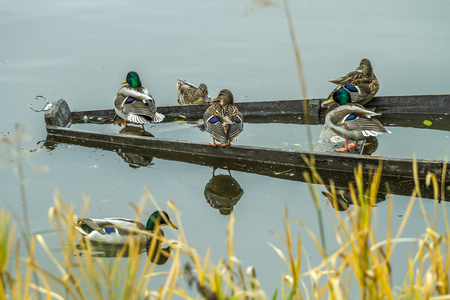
{"x":223,"y":120}
{"x":361,"y":83}
{"x":191,"y":94}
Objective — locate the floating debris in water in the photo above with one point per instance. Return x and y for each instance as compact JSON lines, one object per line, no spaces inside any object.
{"x":427,"y":122}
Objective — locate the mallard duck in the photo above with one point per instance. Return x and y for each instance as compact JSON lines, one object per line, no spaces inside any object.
{"x":362,"y":83}
{"x":133,"y":102}
{"x":118,"y":230}
{"x":190,"y":94}
{"x":223,"y":120}
{"x":351,"y":121}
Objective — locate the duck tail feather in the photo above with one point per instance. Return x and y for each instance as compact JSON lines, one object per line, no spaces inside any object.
{"x":158,"y":117}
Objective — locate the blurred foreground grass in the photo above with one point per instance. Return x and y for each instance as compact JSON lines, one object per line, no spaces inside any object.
{"x":362,"y":263}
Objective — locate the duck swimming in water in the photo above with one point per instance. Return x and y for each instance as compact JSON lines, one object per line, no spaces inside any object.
{"x":118,"y":230}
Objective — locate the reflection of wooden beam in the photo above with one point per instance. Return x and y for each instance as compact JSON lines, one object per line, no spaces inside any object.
{"x":143,"y":155}
{"x":245,"y":155}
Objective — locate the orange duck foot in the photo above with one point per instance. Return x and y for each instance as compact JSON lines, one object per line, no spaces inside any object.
{"x":347,"y":146}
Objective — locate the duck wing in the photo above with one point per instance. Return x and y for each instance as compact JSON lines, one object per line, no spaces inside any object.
{"x":223,"y":123}
{"x":213,"y":125}
{"x":236,"y":127}
{"x":355,"y":118}
{"x":141,"y":111}
{"x":186,"y":84}
{"x":187,"y":94}
{"x":353,"y":78}
{"x":139,"y":93}
{"x":106,"y":226}
{"x":86,"y":226}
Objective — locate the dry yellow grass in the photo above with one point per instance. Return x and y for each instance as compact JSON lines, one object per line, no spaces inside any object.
{"x":361,"y":261}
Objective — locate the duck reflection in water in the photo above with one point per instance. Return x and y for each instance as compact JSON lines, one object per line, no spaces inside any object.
{"x":131,"y":130}
{"x":343,"y":198}
{"x":223,"y":192}
{"x":134,"y":160}
{"x":155,"y":252}
{"x":340,"y":203}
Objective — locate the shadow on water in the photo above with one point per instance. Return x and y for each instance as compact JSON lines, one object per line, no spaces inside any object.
{"x":222,"y":192}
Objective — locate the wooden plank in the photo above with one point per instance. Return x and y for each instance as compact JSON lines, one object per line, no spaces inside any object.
{"x":246,"y":155}
{"x":413,"y":104}
{"x":292,"y":111}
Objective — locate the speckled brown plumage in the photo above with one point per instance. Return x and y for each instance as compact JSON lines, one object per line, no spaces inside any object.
{"x":191,"y":94}
{"x":365,"y":82}
{"x":222,"y":119}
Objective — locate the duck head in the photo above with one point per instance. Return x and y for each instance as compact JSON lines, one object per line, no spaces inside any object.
{"x":340,"y":97}
{"x":225,"y":97}
{"x":159,"y":218}
{"x":133,"y":80}
{"x":365,"y":67}
{"x":204,"y":89}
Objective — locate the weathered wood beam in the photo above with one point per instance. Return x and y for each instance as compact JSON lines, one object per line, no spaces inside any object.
{"x":244,"y":154}
{"x":270,"y":110}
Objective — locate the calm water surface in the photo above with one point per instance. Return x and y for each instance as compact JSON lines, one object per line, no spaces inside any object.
{"x":82,"y":50}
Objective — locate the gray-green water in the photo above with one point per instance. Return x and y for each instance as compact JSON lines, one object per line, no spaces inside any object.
{"x":82,"y":50}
